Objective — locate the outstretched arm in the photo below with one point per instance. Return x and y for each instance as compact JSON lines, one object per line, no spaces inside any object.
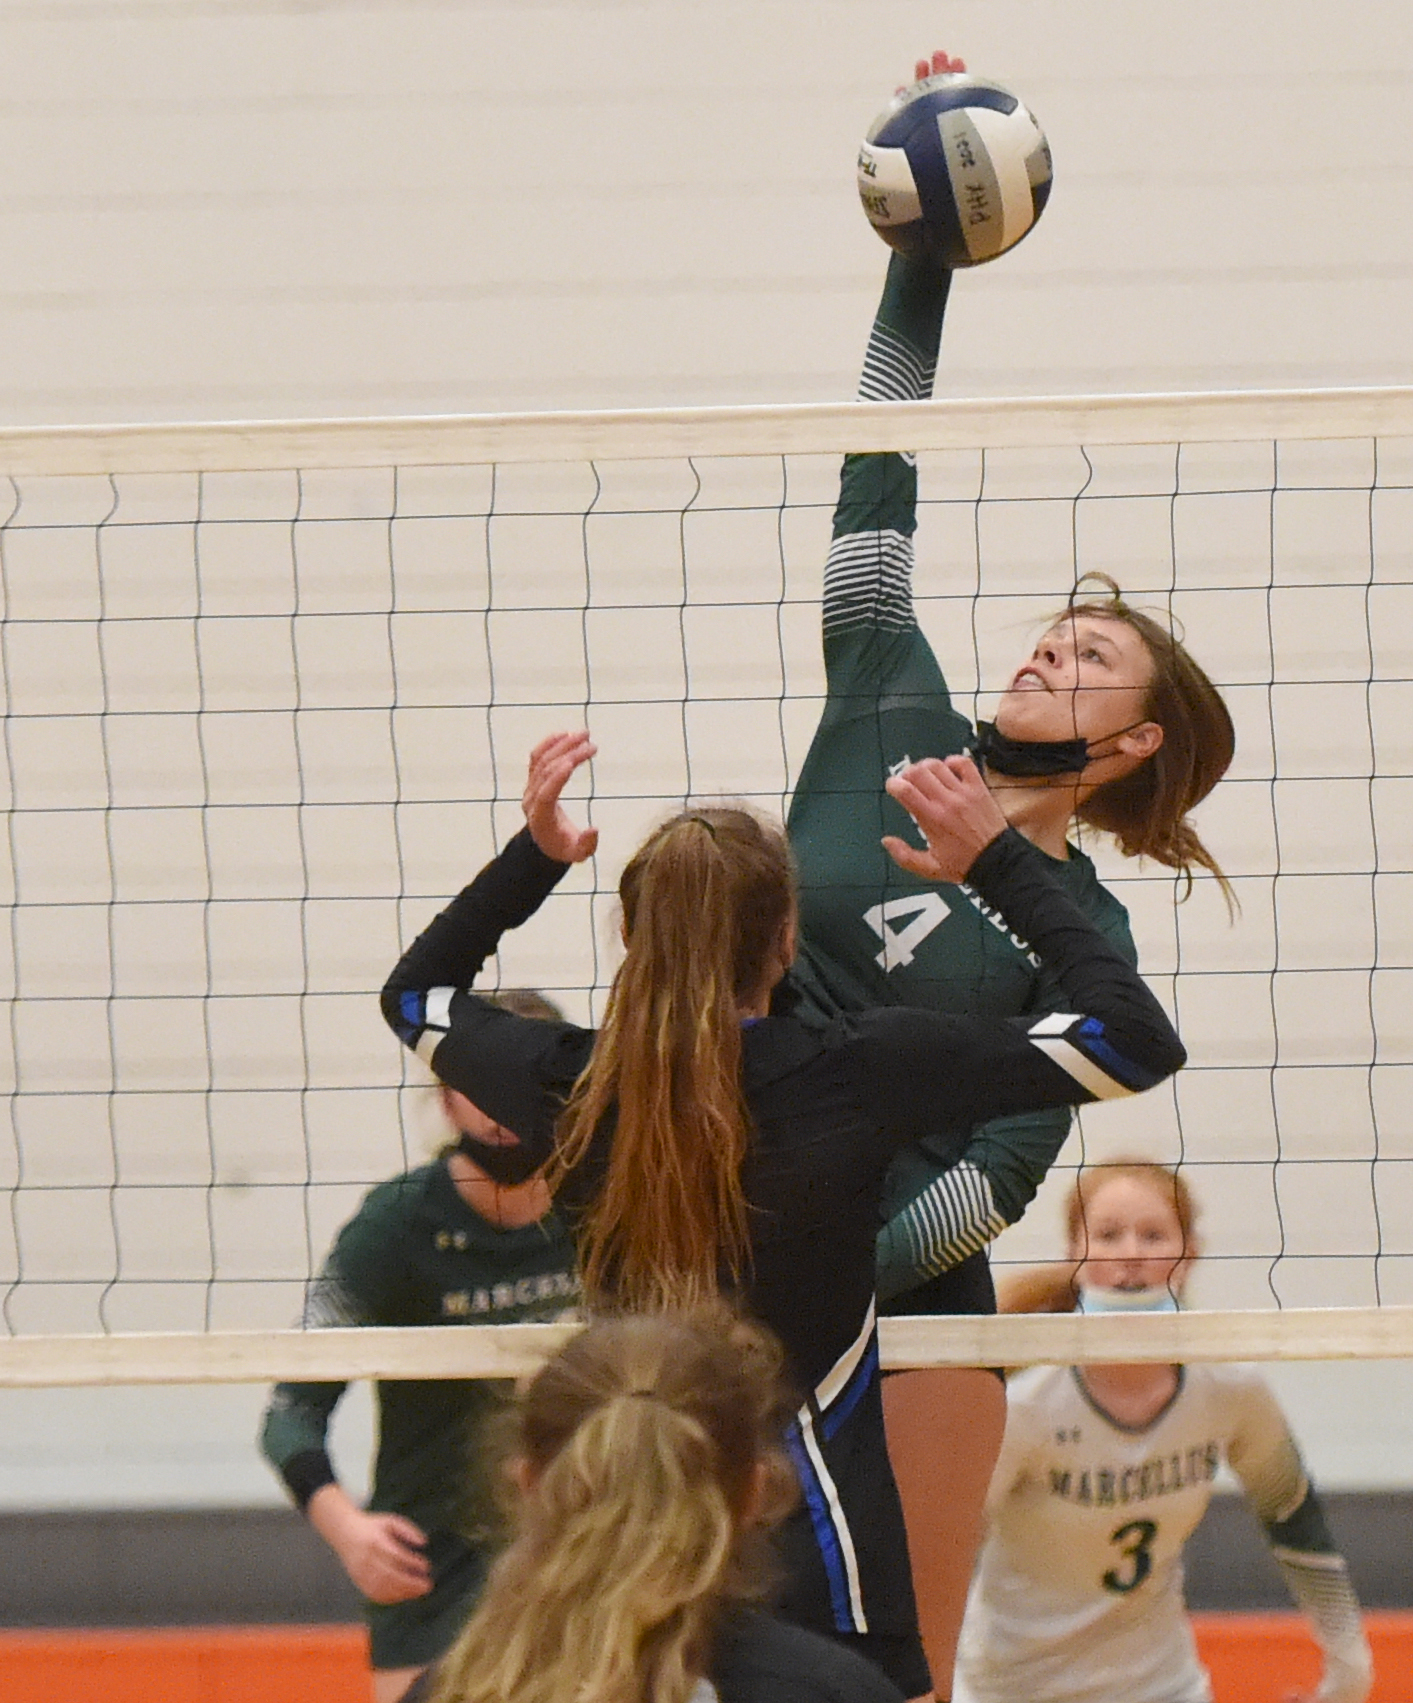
{"x":510,"y":1067}
{"x":871,"y":636}
{"x":868,"y":574}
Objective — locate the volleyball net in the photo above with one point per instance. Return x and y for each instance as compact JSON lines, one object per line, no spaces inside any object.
{"x":269,"y":694}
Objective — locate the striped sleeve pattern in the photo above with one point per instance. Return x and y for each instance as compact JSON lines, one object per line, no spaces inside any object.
{"x":868,"y":576}
{"x":868,"y":582}
{"x":895,"y":370}
{"x":950,"y":1220}
{"x":1267,"y":1460}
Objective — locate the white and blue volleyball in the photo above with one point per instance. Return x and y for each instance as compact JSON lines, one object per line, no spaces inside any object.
{"x":956,"y":169}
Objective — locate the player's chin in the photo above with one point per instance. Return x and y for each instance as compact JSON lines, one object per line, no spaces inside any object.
{"x":1035,"y":715}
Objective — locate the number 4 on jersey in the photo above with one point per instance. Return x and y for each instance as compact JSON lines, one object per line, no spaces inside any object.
{"x":899,"y":945}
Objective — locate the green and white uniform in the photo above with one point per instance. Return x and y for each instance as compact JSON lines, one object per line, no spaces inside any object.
{"x":1077,"y":1597}
{"x":416,"y":1254}
{"x":871,"y":934}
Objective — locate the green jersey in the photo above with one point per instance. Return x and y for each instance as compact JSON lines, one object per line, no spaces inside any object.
{"x":416,"y":1254}
{"x":872,"y":934}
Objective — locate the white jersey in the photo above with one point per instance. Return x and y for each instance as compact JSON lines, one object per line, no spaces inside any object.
{"x":1077,"y":1596}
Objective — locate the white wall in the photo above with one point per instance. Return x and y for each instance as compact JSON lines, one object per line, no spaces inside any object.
{"x":246,"y":210}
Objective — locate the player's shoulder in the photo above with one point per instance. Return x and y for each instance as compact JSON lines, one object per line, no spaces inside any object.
{"x":760,"y":1659}
{"x":1037,"y":1389}
{"x":1088,"y":891}
{"x":1230,"y":1385}
{"x":395,"y":1203}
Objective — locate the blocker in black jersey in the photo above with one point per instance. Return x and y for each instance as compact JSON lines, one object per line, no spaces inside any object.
{"x":831,"y":1103}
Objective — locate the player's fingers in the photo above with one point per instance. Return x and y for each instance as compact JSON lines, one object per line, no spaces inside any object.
{"x":922,"y":784}
{"x":964,"y":774}
{"x":547,"y":745}
{"x":552,"y":774}
{"x":401,"y":1565}
{"x":557,"y":745}
{"x":908,"y":857}
{"x":406,"y":1531}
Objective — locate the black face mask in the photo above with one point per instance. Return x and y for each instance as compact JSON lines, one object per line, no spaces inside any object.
{"x":1037,"y":759}
{"x":1028,"y":759}
{"x":508,"y":1165}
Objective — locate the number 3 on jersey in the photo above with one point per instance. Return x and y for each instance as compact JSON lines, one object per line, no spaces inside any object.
{"x":1135,"y":1542}
{"x":927,"y":910}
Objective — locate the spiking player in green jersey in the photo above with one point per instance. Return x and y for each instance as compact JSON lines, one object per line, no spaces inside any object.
{"x":467,"y":1239}
{"x":1108,"y":722}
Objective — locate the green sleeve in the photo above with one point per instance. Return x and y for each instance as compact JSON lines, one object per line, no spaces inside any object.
{"x":296,"y":1426}
{"x":871,"y":638}
{"x":358,"y":1284}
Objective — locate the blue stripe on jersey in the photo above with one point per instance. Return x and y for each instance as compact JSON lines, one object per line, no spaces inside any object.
{"x":413,"y":1006}
{"x":1090,"y":1035}
{"x":817,"y":1505}
{"x":852,"y":1393}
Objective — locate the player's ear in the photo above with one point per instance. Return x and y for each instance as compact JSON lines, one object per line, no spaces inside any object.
{"x":1140,"y":742}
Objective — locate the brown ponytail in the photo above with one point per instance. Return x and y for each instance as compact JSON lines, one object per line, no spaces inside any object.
{"x":707,"y":903}
{"x":651,"y":1449}
{"x":1147,"y":810}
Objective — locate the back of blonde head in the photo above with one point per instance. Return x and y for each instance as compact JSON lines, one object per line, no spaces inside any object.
{"x":646,"y":1442}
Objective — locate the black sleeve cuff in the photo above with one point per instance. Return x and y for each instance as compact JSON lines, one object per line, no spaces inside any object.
{"x":306,"y":1472}
{"x":1006,"y":852}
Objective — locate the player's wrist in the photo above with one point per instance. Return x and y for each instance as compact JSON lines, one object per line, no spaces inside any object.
{"x":333,"y":1514}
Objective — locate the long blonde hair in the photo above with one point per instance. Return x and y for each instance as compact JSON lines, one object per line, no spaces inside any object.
{"x":707,"y":903}
{"x":1052,"y":1288}
{"x":652,"y":1453}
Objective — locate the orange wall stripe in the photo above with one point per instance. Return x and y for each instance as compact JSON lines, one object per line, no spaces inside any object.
{"x":1254,"y":1658}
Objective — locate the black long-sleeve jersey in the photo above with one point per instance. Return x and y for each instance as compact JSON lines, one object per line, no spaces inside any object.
{"x":830,"y":1105}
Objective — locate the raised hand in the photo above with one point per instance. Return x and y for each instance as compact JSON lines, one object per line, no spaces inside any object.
{"x":552,"y":762}
{"x":959,"y":818}
{"x":937,"y":66}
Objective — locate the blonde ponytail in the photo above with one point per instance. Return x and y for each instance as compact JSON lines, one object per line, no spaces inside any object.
{"x":644,"y":1442}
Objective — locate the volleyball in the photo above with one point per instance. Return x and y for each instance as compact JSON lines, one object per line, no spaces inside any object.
{"x":955,"y":168}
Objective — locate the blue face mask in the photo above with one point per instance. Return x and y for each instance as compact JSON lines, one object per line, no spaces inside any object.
{"x":1127,"y":1300}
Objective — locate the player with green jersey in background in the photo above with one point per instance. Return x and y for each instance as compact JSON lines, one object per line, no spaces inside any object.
{"x":466,"y":1239}
{"x":1109,"y":722}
